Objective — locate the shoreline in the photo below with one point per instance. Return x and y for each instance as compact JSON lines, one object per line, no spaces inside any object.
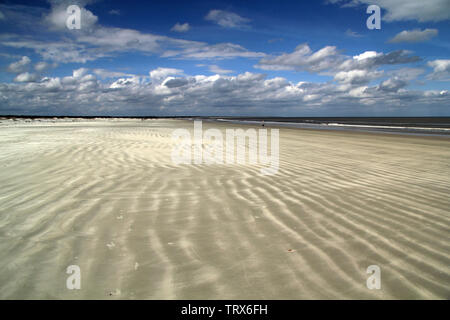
{"x":386,"y":128}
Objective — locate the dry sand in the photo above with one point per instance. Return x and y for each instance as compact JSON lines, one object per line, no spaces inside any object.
{"x":105,"y":195}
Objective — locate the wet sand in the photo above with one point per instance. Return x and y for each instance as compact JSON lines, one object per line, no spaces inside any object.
{"x":106,"y":196}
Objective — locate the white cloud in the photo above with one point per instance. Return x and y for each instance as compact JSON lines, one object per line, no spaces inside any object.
{"x":181,"y":27}
{"x":423,"y":11}
{"x":78,"y":73}
{"x":19,"y":66}
{"x":109,"y":42}
{"x":357,"y":76}
{"x":401,"y":10}
{"x":2,"y":16}
{"x":303,"y":59}
{"x":25,"y":77}
{"x":57,"y":17}
{"x":122,"y":40}
{"x":132,"y":81}
{"x":114,"y":12}
{"x":441,"y":69}
{"x":366,"y":55}
{"x":172,"y":82}
{"x":216,"y":69}
{"x":329,"y":60}
{"x":359,"y":92}
{"x":372,"y":59}
{"x":407,"y":73}
{"x":95,"y":41}
{"x":105,"y":74}
{"x":42,"y":66}
{"x":415,"y":35}
{"x":171,"y":89}
{"x":226,"y":19}
{"x":215,"y":51}
{"x":63,"y":51}
{"x":392,"y":84}
{"x":47,"y":85}
{"x":82,"y":93}
{"x":162,"y":73}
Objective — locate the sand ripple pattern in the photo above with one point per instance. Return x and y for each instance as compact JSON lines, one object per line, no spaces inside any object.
{"x":105,"y":196}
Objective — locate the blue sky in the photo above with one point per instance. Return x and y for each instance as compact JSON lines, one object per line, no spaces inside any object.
{"x":277,"y":58}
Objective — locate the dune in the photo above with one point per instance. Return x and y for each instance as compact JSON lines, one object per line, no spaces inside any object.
{"x":106,"y":196}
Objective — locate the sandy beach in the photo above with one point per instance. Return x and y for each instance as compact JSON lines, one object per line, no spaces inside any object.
{"x":105,"y":195}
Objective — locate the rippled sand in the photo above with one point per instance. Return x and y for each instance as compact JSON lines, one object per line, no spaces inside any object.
{"x":105,"y":195}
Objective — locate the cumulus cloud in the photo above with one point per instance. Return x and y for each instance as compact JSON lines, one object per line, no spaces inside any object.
{"x":172,"y":82}
{"x":354,"y":80}
{"x":303,"y":59}
{"x":372,"y":59}
{"x":49,"y":86}
{"x":57,"y":17}
{"x":19,"y":66}
{"x":181,"y":27}
{"x":357,"y":76}
{"x":226,"y":19}
{"x":441,"y":69}
{"x":415,"y":35}
{"x":78,"y":73}
{"x":330,"y":60}
{"x":392,"y":85}
{"x":162,"y":73}
{"x":400,"y":10}
{"x":366,"y":55}
{"x":25,"y":77}
{"x":41,"y":66}
{"x":83,"y":93}
{"x":131,"y":81}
